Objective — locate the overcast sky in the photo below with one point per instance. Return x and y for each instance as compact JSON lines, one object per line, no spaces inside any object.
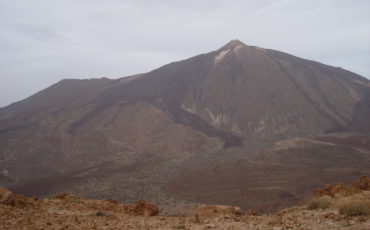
{"x":44,"y":41}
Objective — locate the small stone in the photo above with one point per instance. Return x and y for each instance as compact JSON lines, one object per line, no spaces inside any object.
{"x":102,"y":214}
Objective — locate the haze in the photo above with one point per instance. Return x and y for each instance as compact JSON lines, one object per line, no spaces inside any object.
{"x":42,"y":42}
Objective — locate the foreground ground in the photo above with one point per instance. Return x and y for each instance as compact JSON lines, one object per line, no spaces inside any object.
{"x":335,"y":207}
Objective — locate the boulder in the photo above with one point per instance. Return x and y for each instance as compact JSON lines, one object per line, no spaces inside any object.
{"x":5,"y":175}
{"x":6,"y":197}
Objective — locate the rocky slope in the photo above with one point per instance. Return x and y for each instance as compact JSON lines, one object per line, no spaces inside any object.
{"x":338,"y":211}
{"x":276,"y":177}
{"x":141,"y":136}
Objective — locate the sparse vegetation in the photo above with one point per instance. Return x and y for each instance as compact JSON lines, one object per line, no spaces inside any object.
{"x":251,"y":213}
{"x":57,"y":213}
{"x":362,"y":184}
{"x":356,"y":208}
{"x":180,"y":226}
{"x":319,"y":203}
{"x":75,"y":200}
{"x":351,"y":200}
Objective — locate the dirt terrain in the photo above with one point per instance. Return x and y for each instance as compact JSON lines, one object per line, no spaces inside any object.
{"x":327,"y":210}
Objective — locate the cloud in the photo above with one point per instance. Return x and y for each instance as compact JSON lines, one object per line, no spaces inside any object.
{"x":44,"y":41}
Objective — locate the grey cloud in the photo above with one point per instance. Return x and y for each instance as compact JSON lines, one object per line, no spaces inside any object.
{"x":43,"y":41}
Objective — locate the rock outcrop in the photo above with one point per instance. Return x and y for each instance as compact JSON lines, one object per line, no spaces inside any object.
{"x":144,"y":208}
{"x":8,"y":198}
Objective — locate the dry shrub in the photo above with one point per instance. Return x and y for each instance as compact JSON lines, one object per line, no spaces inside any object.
{"x":62,"y":196}
{"x":144,"y":208}
{"x":360,"y":185}
{"x":252,"y":213}
{"x":355,"y":208}
{"x":363,"y":183}
{"x":355,"y":205}
{"x":330,"y":190}
{"x":323,"y":202}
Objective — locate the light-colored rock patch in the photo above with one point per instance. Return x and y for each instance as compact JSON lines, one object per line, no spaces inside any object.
{"x":189,"y":109}
{"x":218,"y":120}
{"x":260,"y":126}
{"x":221,"y":55}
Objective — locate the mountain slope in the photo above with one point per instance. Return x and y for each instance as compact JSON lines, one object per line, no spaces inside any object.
{"x":276,"y":177}
{"x":146,"y":129}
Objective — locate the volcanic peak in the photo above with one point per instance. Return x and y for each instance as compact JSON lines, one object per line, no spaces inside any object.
{"x":232,"y":44}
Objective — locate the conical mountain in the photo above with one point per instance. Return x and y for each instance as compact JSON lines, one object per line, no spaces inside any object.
{"x":249,"y":91}
{"x":231,"y":45}
{"x":234,"y":99}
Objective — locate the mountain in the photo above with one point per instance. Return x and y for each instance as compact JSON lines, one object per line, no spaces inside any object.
{"x":148,"y":134}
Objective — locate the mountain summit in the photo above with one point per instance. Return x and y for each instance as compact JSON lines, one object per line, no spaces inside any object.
{"x":232,"y":44}
{"x":180,"y":131}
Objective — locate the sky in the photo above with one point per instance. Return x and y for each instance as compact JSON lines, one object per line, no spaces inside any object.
{"x":44,"y":41}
